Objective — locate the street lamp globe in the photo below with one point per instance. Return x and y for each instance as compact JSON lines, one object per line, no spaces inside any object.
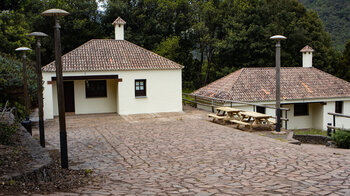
{"x":54,"y":12}
{"x":22,"y":49}
{"x":278,"y":37}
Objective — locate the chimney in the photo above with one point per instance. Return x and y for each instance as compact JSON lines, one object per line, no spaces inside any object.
{"x":119,"y":28}
{"x":307,"y":56}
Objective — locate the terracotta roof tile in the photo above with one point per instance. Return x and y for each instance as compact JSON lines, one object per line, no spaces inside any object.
{"x":258,"y":84}
{"x":307,"y":49}
{"x":119,"y":21}
{"x":108,"y":55}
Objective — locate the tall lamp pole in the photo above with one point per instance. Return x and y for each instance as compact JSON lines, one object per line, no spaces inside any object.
{"x":55,"y":13}
{"x":37,"y":36}
{"x":278,"y":38}
{"x":26,"y":123}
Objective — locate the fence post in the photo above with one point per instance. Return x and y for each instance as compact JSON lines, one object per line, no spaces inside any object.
{"x":231,"y":104}
{"x":195,"y":101}
{"x":286,"y":123}
{"x":212,"y":105}
{"x":329,"y":130}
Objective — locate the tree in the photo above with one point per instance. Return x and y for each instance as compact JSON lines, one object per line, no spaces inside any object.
{"x":81,"y":25}
{"x":343,"y":70}
{"x":11,"y":83}
{"x":249,"y":24}
{"x":335,"y":16}
{"x":13,"y":31}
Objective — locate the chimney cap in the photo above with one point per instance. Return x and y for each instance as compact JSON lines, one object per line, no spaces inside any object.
{"x":119,"y":21}
{"x":307,"y":48}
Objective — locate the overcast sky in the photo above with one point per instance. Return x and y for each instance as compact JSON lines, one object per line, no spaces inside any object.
{"x":100,"y":4}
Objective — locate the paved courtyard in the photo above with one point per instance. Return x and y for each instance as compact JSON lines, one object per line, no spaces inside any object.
{"x":184,"y":154}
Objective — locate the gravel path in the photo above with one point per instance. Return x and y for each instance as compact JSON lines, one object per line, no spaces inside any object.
{"x":184,"y":154}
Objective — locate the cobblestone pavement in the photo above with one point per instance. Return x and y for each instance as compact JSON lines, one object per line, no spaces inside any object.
{"x":184,"y":154}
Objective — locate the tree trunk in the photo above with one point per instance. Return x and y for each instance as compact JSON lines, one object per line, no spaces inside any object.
{"x":210,"y":53}
{"x":200,"y":67}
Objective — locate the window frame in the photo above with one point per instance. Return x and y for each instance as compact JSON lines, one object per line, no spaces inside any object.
{"x":261,"y":108}
{"x":140,"y":93}
{"x":92,"y":95}
{"x":339,"y":105}
{"x":301,"y":113}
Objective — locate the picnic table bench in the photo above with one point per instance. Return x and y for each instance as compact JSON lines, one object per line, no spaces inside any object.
{"x":251,"y":119}
{"x":225,"y":114}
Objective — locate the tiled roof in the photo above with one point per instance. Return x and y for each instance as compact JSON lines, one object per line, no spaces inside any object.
{"x":307,"y":49}
{"x":119,"y":21}
{"x":258,"y":84}
{"x":108,"y":55}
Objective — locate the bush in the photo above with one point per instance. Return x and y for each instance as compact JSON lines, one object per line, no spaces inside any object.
{"x":6,"y":133}
{"x":342,"y":138}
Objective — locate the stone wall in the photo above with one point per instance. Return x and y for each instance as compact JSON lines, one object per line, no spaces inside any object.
{"x":312,"y":139}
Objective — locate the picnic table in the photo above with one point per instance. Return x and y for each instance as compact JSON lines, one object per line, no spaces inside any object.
{"x":252,"y":119}
{"x":225,"y":114}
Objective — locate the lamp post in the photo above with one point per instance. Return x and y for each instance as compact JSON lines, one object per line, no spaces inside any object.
{"x":37,"y":36}
{"x":278,"y":38}
{"x":26,"y":123}
{"x":55,"y":13}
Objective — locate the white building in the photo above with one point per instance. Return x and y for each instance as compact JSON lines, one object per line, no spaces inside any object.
{"x":114,"y":76}
{"x":309,"y":93}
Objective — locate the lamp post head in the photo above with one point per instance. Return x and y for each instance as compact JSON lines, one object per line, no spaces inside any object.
{"x":37,"y":34}
{"x":278,"y":37}
{"x":54,"y":12}
{"x":23,"y":49}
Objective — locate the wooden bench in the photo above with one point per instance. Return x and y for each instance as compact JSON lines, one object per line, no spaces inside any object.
{"x":272,"y":122}
{"x":238,"y":122}
{"x":214,"y":116}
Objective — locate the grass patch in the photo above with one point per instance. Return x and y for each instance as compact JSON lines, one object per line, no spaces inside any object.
{"x":310,"y":132}
{"x":281,"y":139}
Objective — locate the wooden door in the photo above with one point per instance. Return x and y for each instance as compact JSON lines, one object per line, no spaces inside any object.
{"x":69,"y":96}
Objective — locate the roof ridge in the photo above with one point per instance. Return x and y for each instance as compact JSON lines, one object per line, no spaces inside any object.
{"x":329,"y":74}
{"x":108,"y":53}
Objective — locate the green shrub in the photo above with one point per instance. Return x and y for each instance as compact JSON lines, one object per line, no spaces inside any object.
{"x":342,"y":138}
{"x":6,"y":133}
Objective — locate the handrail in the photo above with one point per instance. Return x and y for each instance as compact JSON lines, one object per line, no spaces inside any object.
{"x":331,"y":127}
{"x":338,"y":114}
{"x":239,"y":102}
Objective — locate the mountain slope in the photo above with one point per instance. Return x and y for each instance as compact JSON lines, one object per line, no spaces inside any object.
{"x":335,"y":16}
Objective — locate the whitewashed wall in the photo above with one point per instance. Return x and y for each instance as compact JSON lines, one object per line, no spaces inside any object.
{"x":48,"y":94}
{"x":85,"y":105}
{"x":339,"y":122}
{"x":163,"y":90}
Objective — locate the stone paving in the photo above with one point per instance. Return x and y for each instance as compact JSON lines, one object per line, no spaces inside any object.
{"x":184,"y":154}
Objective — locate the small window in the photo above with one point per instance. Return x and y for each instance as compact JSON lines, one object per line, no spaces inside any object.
{"x":95,"y":88}
{"x":339,"y":107}
{"x":140,"y":88}
{"x":301,"y":109}
{"x":261,"y":109}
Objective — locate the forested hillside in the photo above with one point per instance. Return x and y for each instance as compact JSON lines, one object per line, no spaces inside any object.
{"x":210,"y":38}
{"x":335,"y":15}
